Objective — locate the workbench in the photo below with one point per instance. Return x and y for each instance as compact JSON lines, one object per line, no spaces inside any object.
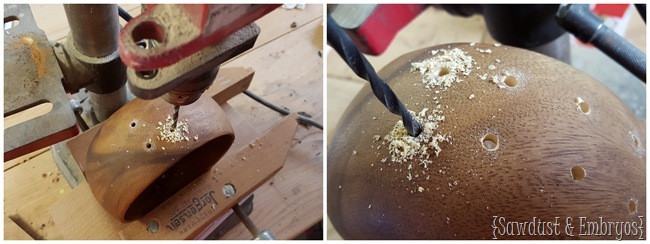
{"x":434,"y":27}
{"x":287,"y":60}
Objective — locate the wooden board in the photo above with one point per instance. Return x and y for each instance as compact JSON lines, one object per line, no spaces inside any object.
{"x":29,"y":189}
{"x":281,"y":205}
{"x":301,"y":179}
{"x":14,"y":232}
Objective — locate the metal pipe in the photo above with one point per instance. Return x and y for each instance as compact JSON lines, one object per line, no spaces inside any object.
{"x":104,"y":105}
{"x":259,"y":235}
{"x":244,"y":219}
{"x":94,"y":28}
{"x":92,"y":41}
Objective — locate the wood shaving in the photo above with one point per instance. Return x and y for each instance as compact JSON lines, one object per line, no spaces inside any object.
{"x":376,"y":138}
{"x":425,"y":163}
{"x":484,"y":50}
{"x":499,"y":80}
{"x":168,"y":134}
{"x":444,"y":69}
{"x":403,"y":147}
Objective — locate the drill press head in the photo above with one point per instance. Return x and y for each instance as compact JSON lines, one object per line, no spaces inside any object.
{"x":183,"y":82}
{"x":187,"y":55}
{"x":190,"y":91}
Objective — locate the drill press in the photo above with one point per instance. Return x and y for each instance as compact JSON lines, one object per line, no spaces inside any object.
{"x":181,"y":58}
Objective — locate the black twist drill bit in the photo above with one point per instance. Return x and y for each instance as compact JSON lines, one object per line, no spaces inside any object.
{"x":175,"y":118}
{"x":341,"y":42}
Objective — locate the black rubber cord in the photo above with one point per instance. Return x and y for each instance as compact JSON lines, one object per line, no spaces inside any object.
{"x":301,"y":118}
{"x":125,"y":15}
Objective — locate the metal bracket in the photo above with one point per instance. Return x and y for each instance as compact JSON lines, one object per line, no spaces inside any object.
{"x":181,"y":30}
{"x":153,"y":84}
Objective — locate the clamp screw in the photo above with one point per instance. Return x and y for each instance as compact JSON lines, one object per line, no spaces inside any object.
{"x":152,"y":227}
{"x":229,"y":190}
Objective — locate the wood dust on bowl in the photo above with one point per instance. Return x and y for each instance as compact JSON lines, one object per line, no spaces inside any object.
{"x":509,"y":137}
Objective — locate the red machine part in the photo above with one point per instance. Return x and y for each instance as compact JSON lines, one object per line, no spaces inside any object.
{"x":380,"y":28}
{"x":180,"y":30}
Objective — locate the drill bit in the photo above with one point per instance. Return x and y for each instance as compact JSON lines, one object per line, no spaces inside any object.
{"x":175,"y":118}
{"x":341,"y":42}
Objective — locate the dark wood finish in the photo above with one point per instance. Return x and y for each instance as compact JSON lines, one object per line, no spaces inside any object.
{"x":542,"y":136}
{"x":131,"y":171}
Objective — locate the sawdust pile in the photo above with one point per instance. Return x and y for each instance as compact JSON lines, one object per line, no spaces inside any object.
{"x":413,"y":156}
{"x":440,"y":71}
{"x":446,"y":67}
{"x":403,"y":147}
{"x":169,"y":134}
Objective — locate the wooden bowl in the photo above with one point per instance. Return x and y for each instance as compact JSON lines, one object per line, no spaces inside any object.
{"x":551,"y":143}
{"x":131,"y":171}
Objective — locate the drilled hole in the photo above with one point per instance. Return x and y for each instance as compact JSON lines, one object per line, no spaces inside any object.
{"x":444,"y":71}
{"x":11,"y":22}
{"x":147,"y":74}
{"x":490,"y":142}
{"x":148,"y":32}
{"x":632,"y":206}
{"x":511,"y":81}
{"x":582,"y":105}
{"x":578,"y":173}
{"x":636,"y":141}
{"x":132,"y":124}
{"x":148,"y":145}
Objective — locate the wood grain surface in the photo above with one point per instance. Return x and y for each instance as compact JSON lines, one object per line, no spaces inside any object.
{"x":555,"y":157}
{"x":131,"y":170}
{"x":432,"y":27}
